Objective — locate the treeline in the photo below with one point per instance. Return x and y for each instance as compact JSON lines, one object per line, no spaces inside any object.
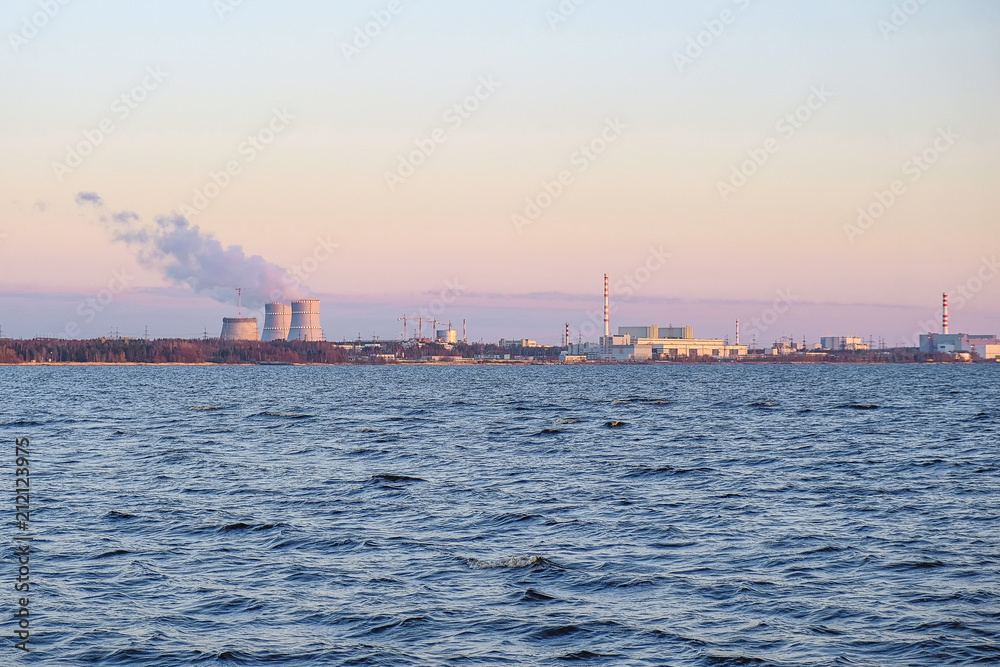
{"x":169,"y":351}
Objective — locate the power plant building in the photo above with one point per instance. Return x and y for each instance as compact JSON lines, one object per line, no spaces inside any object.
{"x":304,"y":324}
{"x":844,"y":343}
{"x":652,"y":343}
{"x":986,"y":346}
{"x":239,"y":328}
{"x":277,"y":321}
{"x":449,"y":336}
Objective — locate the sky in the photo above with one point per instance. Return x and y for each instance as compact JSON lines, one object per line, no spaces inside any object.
{"x":811,"y":169}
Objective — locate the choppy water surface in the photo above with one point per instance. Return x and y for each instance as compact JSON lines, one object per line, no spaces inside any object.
{"x":411,"y":516}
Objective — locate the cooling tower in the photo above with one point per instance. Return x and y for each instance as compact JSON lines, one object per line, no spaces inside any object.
{"x":305,"y":321}
{"x":239,"y":328}
{"x":277,"y":321}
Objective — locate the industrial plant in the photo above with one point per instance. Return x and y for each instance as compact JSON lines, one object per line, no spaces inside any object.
{"x":649,"y":343}
{"x":986,"y":346}
{"x":300,"y":321}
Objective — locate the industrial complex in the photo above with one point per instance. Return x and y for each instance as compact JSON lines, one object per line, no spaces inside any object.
{"x":985,"y":346}
{"x":300,"y":321}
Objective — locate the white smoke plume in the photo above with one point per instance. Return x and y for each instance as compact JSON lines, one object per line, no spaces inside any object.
{"x":187,"y":256}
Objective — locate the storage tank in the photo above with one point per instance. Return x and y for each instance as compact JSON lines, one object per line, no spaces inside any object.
{"x":305,"y":320}
{"x":447,"y":336}
{"x":239,"y":328}
{"x":277,"y":321}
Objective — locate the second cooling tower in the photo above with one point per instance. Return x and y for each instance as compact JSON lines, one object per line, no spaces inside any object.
{"x":277,"y":321}
{"x":305,"y":321}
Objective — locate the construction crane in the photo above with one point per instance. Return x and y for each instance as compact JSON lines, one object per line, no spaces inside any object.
{"x":404,"y":320}
{"x":420,"y":326}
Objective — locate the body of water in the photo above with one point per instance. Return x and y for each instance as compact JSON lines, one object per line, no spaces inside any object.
{"x":669,"y":515}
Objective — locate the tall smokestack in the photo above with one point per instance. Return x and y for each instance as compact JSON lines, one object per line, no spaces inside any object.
{"x":737,"y":332}
{"x":944,"y":315}
{"x":607,"y":308}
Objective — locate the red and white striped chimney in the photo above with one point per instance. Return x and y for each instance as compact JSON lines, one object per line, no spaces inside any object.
{"x":944,"y":315}
{"x":607,"y":308}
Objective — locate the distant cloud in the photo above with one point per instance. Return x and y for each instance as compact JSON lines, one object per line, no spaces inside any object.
{"x":41,"y":206}
{"x":125,"y":217}
{"x":89,"y":198}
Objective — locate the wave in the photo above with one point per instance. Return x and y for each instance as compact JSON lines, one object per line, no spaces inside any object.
{"x":641,"y":401}
{"x":239,"y":525}
{"x":392,"y":478}
{"x":116,"y":552}
{"x":268,"y":414}
{"x":514,"y":562}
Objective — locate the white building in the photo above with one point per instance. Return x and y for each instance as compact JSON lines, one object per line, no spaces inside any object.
{"x":986,"y":346}
{"x":848,"y":343}
{"x":652,"y":343}
{"x":518,"y":342}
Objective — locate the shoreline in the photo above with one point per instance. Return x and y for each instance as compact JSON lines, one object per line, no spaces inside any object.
{"x":501,"y":362}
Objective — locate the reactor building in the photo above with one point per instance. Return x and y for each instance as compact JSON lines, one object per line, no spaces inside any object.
{"x":986,"y":346}
{"x":649,"y":343}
